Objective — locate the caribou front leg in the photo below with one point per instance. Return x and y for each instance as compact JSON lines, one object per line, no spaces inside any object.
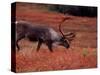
{"x":49,"y":44}
{"x":39,"y":45}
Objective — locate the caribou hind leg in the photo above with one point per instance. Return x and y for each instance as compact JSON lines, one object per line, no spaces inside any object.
{"x":17,"y":46}
{"x":18,"y":39}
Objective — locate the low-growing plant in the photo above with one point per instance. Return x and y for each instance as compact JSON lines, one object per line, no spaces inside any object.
{"x":85,"y":52}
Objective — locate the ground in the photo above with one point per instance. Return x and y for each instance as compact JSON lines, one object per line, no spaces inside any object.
{"x":81,"y":54}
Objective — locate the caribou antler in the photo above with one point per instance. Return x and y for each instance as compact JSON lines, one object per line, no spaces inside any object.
{"x":60,"y":27}
{"x":69,"y":35}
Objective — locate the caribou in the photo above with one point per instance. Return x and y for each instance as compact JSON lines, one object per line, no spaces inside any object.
{"x":42,"y":35}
